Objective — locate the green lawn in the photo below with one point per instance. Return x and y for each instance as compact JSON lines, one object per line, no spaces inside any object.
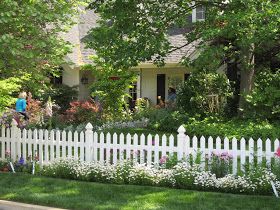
{"x":84,"y":195}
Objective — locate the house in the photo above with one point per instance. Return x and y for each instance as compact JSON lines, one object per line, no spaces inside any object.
{"x":152,"y":81}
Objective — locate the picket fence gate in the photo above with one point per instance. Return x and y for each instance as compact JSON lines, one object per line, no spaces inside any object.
{"x":106,"y":148}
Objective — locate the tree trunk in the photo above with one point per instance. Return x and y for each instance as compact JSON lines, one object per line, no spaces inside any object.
{"x":246,"y":79}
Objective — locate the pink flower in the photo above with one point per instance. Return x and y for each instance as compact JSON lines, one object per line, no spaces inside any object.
{"x":277,"y":153}
{"x":7,"y":152}
{"x":163,"y":159}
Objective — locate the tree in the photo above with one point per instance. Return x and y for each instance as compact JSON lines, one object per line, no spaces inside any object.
{"x":30,"y":38}
{"x":234,"y":31}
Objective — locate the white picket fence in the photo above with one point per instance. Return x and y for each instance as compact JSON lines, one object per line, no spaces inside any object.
{"x":106,"y":148}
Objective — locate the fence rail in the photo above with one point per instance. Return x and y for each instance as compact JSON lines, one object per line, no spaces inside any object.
{"x":107,"y":148}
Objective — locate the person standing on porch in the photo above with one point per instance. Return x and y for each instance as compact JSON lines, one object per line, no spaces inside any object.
{"x":171,"y":99}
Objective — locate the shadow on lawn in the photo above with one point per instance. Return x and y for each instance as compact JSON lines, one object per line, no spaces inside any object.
{"x":87,"y":195}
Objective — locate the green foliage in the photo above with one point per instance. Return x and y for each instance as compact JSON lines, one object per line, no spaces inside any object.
{"x":264,"y":101}
{"x":110,"y":88}
{"x":236,"y":31}
{"x":166,"y":120}
{"x":204,"y":93}
{"x":232,"y":128}
{"x":31,"y":42}
{"x":61,"y":95}
{"x":7,"y":88}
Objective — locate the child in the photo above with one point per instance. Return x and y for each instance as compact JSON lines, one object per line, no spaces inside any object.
{"x":21,"y":105}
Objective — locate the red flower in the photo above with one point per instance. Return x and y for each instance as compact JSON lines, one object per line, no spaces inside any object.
{"x":277,"y":153}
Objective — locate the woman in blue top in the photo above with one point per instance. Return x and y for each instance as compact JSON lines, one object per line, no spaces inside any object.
{"x":21,"y":105}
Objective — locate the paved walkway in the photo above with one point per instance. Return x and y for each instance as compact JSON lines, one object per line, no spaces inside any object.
{"x":9,"y":205}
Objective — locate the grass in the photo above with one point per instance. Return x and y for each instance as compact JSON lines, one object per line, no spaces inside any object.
{"x":84,"y":195}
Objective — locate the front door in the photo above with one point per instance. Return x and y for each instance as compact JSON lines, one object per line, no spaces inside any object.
{"x":161,"y":87}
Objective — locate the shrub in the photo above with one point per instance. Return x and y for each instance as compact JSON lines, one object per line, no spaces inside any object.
{"x":167,"y":120}
{"x":204,"y":93}
{"x":237,"y":128}
{"x":110,"y":88}
{"x":263,"y":102}
{"x":62,"y":95}
{"x":83,"y":112}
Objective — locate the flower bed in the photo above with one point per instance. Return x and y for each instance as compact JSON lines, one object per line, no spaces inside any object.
{"x":182,"y":175}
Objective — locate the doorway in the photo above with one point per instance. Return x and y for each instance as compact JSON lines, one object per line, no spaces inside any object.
{"x":161,"y":87}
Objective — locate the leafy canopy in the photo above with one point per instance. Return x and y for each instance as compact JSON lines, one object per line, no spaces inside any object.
{"x":134,"y":31}
{"x":31,"y":39}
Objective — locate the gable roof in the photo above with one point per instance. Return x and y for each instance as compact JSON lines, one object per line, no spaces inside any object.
{"x":80,"y":54}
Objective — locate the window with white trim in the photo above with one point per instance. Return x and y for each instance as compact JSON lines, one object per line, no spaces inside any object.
{"x":198,"y":14}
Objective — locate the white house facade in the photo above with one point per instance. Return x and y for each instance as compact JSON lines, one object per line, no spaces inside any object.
{"x":152,"y":82}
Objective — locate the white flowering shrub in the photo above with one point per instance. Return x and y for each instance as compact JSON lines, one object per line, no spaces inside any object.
{"x":183,"y":175}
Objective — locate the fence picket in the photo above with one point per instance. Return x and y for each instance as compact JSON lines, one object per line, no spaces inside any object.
{"x":57,"y":145}
{"x":115,"y":150}
{"x":134,"y":150}
{"x":195,"y":151}
{"x":268,"y":152}
{"x":259,"y":151}
{"x":149,"y":149}
{"x":142,"y":148}
{"x":128,"y":147}
{"x":181,"y":142}
{"x":69,"y":144}
{"x":234,"y":155}
{"x":52,"y":143}
{"x":46,"y":135}
{"x":95,"y":140}
{"x":40,"y":151}
{"x":122,"y":147}
{"x":156,"y":149}
{"x":251,"y":152}
{"x":226,"y":144}
{"x":218,"y":144}
{"x":82,"y":146}
{"x":63,"y":144}
{"x":108,"y":148}
{"x":242,"y":153}
{"x":102,"y":143}
{"x":76,"y":141}
{"x":202,"y":151}
{"x":24,"y":150}
{"x":163,"y":146}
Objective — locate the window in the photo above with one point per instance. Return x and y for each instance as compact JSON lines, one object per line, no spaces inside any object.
{"x":133,"y":94}
{"x":198,"y":14}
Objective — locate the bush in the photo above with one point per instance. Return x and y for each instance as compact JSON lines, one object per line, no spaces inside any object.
{"x":83,"y":112}
{"x":204,"y":93}
{"x":167,"y":120}
{"x":62,"y":95}
{"x":264,"y":101}
{"x":237,"y":128}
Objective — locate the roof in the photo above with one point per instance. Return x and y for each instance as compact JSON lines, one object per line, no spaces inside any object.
{"x":80,"y":54}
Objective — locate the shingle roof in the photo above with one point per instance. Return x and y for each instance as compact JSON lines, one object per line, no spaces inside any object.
{"x":88,"y":20}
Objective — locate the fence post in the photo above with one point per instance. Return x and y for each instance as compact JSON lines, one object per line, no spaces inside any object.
{"x":15,"y":135}
{"x":89,"y":142}
{"x":181,"y":142}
